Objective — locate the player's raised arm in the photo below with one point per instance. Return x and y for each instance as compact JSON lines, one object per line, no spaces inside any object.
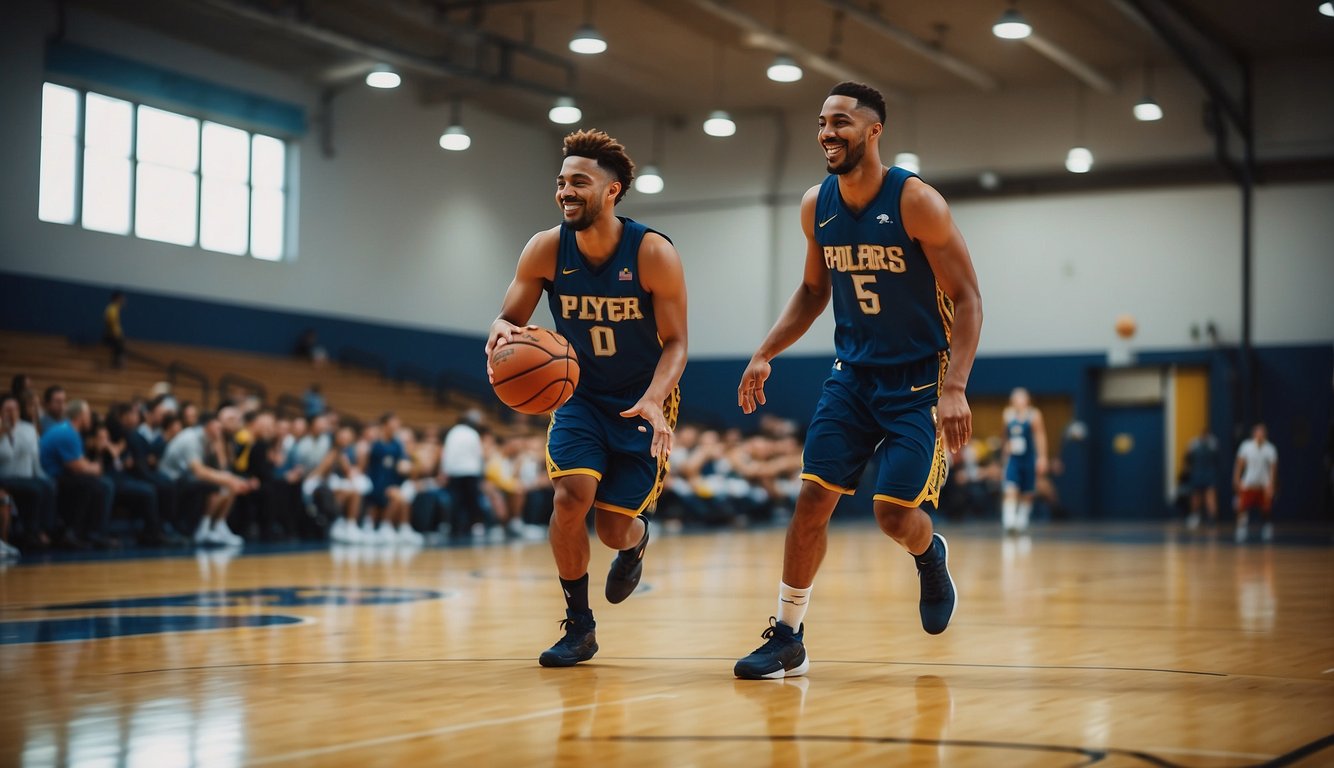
{"x":927,"y":219}
{"x":661,"y":275}
{"x":806,"y":304}
{"x":536,"y":266}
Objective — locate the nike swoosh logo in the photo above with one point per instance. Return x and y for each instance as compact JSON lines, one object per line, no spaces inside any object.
{"x":919,"y":389}
{"x":826,"y":221}
{"x":569,"y":271}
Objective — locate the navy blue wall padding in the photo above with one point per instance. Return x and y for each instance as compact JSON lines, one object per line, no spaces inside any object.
{"x":152,"y":83}
{"x":1294,"y":381}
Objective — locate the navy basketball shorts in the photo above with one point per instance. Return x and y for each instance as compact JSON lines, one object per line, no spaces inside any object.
{"x":588,"y":436}
{"x":1022,"y":474}
{"x":885,"y":412}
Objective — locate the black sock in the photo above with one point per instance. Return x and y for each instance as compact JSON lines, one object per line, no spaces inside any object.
{"x":576,"y":593}
{"x":929,"y":556}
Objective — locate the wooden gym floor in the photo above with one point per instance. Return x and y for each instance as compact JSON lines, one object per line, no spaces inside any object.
{"x":1114,"y":647}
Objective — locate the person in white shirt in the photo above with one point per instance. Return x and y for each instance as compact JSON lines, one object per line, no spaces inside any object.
{"x":1254,"y":479}
{"x":462,"y":462}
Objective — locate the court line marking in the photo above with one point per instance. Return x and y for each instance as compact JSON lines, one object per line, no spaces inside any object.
{"x":441,"y":731}
{"x":1210,"y":753}
{"x":1326,"y":672}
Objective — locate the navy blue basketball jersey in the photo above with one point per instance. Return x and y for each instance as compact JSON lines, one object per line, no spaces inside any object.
{"x":888,"y":308}
{"x":1019,"y":437}
{"x":606,"y":314}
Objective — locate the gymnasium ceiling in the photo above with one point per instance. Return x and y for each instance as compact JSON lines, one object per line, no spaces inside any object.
{"x":664,"y":55}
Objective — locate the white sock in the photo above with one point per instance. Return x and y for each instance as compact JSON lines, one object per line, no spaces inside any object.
{"x":1008,"y":513}
{"x":792,"y":604}
{"x":1025,"y":509}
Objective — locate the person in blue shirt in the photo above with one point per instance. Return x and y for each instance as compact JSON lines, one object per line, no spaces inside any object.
{"x":881,"y":244}
{"x":83,"y":495}
{"x":617,"y":292}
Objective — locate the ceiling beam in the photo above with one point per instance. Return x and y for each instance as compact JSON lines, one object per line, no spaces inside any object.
{"x":427,"y":65}
{"x":1071,"y":63}
{"x":761,"y":35}
{"x":911,"y":42}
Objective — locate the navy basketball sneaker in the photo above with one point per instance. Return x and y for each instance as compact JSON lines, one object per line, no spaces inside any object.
{"x":626,"y":569}
{"x":579,"y":643}
{"x":938,"y":598}
{"x":782,"y":655}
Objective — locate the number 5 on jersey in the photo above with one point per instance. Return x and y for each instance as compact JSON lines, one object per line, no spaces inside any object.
{"x":868,"y":299}
{"x":604,"y":340}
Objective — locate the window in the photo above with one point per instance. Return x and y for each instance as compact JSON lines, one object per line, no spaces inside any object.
{"x":114,"y":166}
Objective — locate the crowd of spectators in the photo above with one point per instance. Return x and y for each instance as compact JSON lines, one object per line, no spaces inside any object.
{"x":158,"y":471}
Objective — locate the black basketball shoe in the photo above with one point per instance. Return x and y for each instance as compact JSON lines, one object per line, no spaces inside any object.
{"x":781,"y":656}
{"x":938,"y":598}
{"x":579,"y":643}
{"x":626,"y":569}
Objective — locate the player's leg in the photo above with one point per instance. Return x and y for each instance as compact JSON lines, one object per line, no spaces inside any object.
{"x":1211,"y":504}
{"x":576,"y":462}
{"x":842,"y":436}
{"x":1010,"y":498}
{"x":628,"y":494}
{"x":912,"y":470}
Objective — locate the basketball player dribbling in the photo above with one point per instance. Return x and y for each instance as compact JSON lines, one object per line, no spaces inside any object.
{"x":1025,"y":460}
{"x":907,"y":315}
{"x":617,"y":292}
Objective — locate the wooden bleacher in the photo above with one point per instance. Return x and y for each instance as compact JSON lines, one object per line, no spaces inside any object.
{"x":85,"y":372}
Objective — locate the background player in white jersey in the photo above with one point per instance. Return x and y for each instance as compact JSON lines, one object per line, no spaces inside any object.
{"x":1254,"y":480}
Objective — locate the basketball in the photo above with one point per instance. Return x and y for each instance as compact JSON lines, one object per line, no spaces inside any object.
{"x":1125,"y":326}
{"x":536,"y":372}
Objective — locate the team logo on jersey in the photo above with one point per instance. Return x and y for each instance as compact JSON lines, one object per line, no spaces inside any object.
{"x":625,"y":276}
{"x":883,"y":218}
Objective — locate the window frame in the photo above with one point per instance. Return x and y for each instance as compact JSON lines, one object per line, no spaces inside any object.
{"x":286,"y":243}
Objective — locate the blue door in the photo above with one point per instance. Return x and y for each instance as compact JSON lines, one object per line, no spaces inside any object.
{"x":1129,"y":462}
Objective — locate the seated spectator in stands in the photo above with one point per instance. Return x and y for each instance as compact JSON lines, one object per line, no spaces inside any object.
{"x":388,"y":466}
{"x":270,"y":512}
{"x":509,"y":469}
{"x":308,"y":347}
{"x":112,"y":333}
{"x":189,"y":414}
{"x":140,"y":461}
{"x":53,"y":407}
{"x":21,"y":476}
{"x":338,"y":478}
{"x":21,"y":383}
{"x":83,"y":495}
{"x":7,"y":550}
{"x":312,"y":401}
{"x":150,"y":426}
{"x":136,"y":496}
{"x":30,"y":409}
{"x":196,"y":459}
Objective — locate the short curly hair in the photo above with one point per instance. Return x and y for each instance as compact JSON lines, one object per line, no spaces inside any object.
{"x":865,"y":95}
{"x":608,"y":152}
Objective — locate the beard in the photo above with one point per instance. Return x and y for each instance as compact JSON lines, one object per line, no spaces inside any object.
{"x":852,"y":155}
{"x":588,"y":213}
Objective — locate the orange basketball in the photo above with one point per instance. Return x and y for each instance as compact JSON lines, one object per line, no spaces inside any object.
{"x":536,"y":372}
{"x":1125,"y":326}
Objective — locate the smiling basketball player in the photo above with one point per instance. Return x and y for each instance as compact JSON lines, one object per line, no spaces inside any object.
{"x":617,"y":293}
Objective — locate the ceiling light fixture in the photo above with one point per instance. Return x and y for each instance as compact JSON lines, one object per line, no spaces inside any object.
{"x":784,"y":69}
{"x":455,"y":138}
{"x":565,"y":112}
{"x":1079,"y":160}
{"x":1147,"y":110}
{"x":383,"y":76}
{"x":649,"y":181}
{"x":1011,"y":25}
{"x":908,"y":161}
{"x":719,"y":124}
{"x":1326,"y":8}
{"x":587,"y":40}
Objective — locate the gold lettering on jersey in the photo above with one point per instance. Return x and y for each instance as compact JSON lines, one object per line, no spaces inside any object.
{"x":868,"y":258}
{"x":601,"y":309}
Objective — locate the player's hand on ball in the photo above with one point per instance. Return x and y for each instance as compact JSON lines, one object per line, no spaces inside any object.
{"x":501,"y":332}
{"x":750,"y":394}
{"x":662,"y":432}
